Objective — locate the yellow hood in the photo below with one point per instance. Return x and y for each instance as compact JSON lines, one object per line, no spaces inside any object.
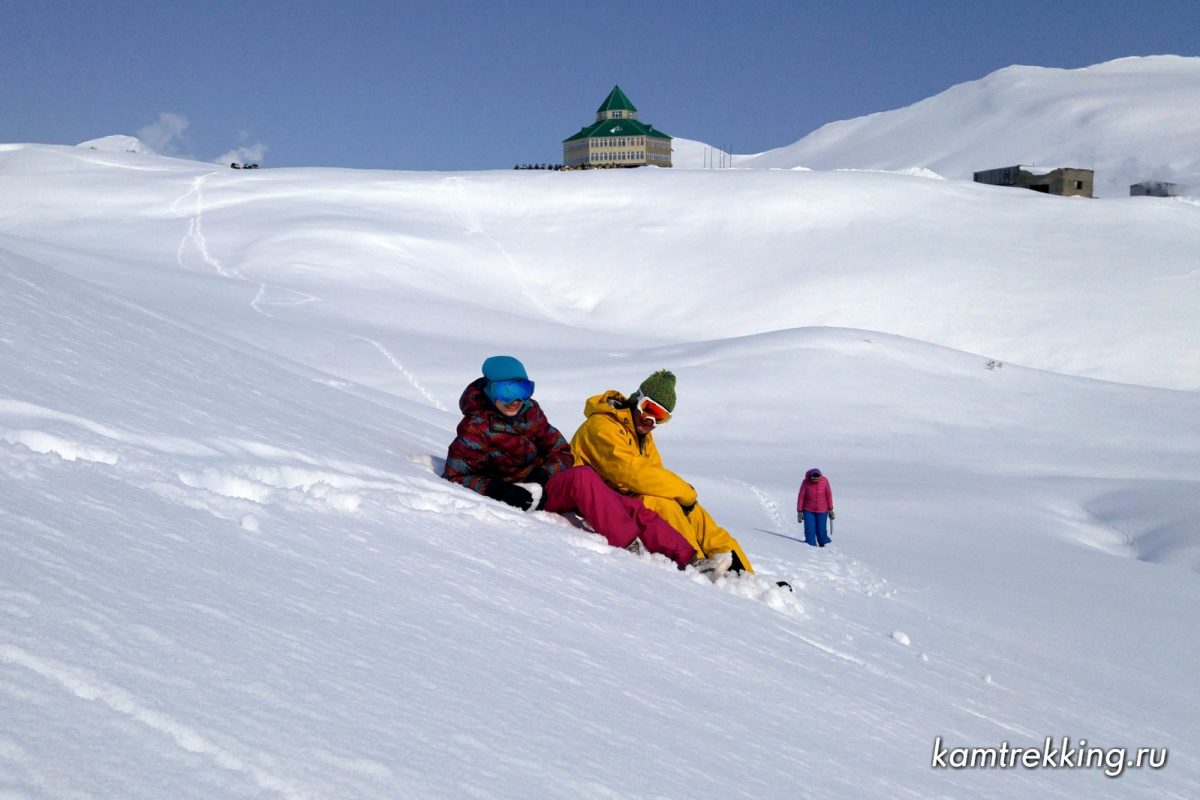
{"x":608,"y":443}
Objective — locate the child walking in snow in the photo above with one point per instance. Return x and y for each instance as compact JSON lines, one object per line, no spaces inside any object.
{"x":814,"y":507}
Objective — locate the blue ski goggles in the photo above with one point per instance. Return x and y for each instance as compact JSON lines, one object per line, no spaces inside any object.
{"x":510,"y":391}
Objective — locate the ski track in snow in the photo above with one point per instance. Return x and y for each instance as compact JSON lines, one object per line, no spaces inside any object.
{"x":195,"y":231}
{"x":195,"y":236}
{"x":765,"y":500}
{"x":1015,"y":730}
{"x":260,"y":299}
{"x":408,"y":375}
{"x":459,"y":209}
{"x":1185,"y":276}
{"x":82,"y":684}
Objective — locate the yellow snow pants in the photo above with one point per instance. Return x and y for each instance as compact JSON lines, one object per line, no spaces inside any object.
{"x":699,"y":528}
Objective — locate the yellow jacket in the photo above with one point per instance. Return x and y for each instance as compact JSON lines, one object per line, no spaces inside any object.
{"x":608,"y":443}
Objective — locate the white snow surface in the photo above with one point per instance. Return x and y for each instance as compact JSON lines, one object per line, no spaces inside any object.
{"x":1131,"y":120}
{"x":691,"y":154}
{"x":229,"y":567}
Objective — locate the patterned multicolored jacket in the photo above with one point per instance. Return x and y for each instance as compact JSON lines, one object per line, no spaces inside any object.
{"x":491,"y":446}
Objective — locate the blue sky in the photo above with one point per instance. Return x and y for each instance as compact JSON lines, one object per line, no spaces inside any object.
{"x":479,"y":85}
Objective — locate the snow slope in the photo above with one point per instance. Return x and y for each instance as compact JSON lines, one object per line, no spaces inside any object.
{"x":729,"y":252}
{"x":1130,"y":120}
{"x":118,"y":144}
{"x":229,"y":568}
{"x":690,"y":154}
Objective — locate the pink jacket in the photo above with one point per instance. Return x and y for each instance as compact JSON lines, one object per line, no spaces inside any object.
{"x":816,"y":497}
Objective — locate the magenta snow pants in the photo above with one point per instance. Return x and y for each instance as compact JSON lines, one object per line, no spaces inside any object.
{"x":617,"y":518}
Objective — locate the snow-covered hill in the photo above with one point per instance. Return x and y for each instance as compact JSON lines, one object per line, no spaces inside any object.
{"x":744,"y":252}
{"x":118,"y":143}
{"x":690,"y":154}
{"x":228,"y":567}
{"x":1130,"y":120}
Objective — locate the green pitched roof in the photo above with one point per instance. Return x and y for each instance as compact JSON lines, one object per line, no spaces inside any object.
{"x":616,"y":101}
{"x":617,"y":127}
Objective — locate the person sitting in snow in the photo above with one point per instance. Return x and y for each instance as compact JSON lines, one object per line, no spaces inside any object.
{"x":617,"y":440}
{"x":507,"y":450}
{"x":814,"y":507}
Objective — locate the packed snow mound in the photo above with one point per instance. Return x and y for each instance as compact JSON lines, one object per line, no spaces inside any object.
{"x":1130,"y":120}
{"x":119,"y":143}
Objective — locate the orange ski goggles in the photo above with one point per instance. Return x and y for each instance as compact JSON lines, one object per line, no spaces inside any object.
{"x":652,"y":410}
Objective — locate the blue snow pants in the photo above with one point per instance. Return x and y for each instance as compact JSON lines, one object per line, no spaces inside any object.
{"x":816,"y":528}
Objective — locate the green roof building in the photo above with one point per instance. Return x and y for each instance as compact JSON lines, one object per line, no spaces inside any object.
{"x":617,"y":138}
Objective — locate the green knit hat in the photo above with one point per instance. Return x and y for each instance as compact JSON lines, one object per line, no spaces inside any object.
{"x":660,"y":387}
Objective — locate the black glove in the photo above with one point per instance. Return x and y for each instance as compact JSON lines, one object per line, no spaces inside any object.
{"x":510,"y":493}
{"x":800,"y":517}
{"x":831,"y":514}
{"x":539,"y":475}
